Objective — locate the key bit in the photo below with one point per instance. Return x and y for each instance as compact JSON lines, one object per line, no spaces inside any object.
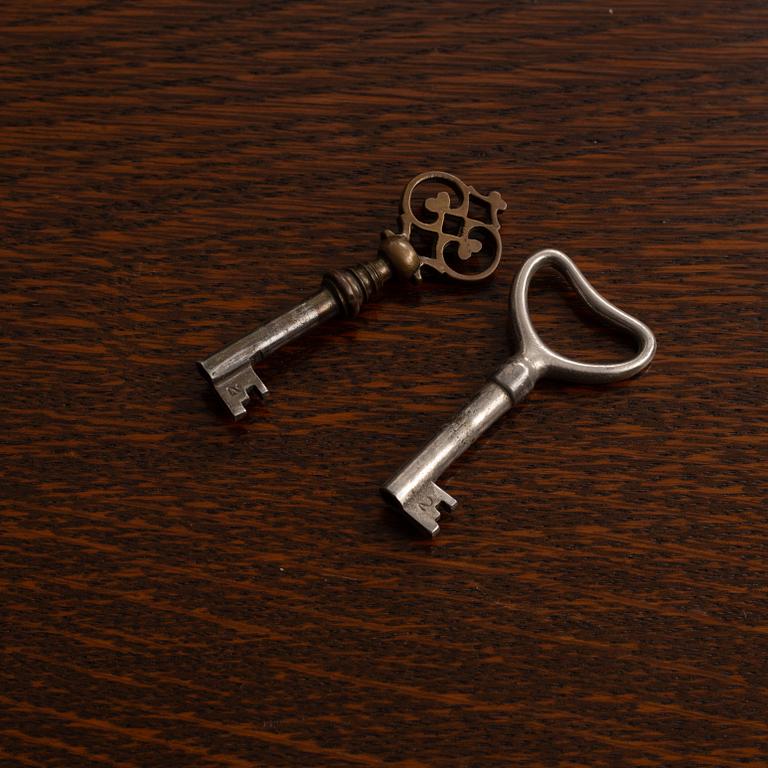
{"x":461,"y":225}
{"x":423,"y":503}
{"x":412,"y":489}
{"x":235,"y":390}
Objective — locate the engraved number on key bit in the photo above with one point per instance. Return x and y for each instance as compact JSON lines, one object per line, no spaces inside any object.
{"x":235,"y":390}
{"x":423,"y":506}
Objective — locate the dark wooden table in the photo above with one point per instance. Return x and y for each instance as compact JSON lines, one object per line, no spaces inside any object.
{"x":182,"y":591}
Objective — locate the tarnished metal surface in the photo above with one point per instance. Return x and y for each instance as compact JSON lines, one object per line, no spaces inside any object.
{"x":344,"y":291}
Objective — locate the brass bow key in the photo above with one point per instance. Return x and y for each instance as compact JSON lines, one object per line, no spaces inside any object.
{"x":413,"y":489}
{"x":457,"y":224}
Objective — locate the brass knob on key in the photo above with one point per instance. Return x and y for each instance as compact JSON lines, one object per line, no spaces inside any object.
{"x":401,"y":255}
{"x":456,"y":232}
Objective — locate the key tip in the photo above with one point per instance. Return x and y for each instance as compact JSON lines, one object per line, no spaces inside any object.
{"x":422,"y":506}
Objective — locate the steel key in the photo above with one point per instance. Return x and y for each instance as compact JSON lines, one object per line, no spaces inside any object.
{"x":413,"y":489}
{"x":457,"y":228}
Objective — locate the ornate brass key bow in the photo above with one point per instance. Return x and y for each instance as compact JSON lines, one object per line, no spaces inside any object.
{"x":456,"y":227}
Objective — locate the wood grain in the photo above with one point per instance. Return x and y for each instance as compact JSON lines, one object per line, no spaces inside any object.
{"x":180,"y":591}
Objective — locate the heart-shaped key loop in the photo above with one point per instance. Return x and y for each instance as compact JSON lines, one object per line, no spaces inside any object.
{"x":544,"y":361}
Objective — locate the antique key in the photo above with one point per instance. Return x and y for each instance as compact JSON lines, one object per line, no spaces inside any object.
{"x":453,"y":229}
{"x":413,"y":488}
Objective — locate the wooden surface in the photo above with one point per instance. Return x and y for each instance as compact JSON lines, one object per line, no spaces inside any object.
{"x":180,"y":591}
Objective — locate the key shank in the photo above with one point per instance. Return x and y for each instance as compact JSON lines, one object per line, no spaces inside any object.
{"x":344,"y":292}
{"x":230,"y":371}
{"x":413,"y":488}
